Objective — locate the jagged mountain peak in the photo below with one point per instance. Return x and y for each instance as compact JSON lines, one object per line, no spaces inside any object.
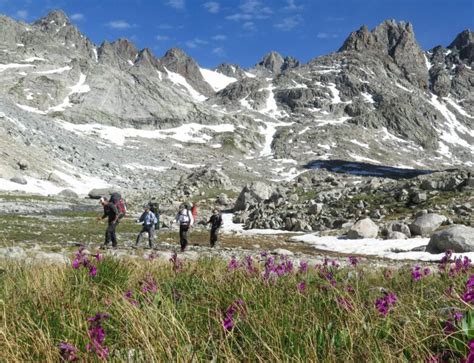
{"x":464,"y":45}
{"x":57,"y":17}
{"x":386,"y":35}
{"x":275,"y":63}
{"x":272,"y":61}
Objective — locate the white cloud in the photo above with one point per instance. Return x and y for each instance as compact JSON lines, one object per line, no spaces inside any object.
{"x":323,"y":35}
{"x":289,"y":23}
{"x":219,"y":51}
{"x":177,"y":4}
{"x":22,"y":14}
{"x":77,"y":17}
{"x":251,"y":10}
{"x":195,"y":43}
{"x":212,"y":7}
{"x":292,"y":6}
{"x":249,"y":25}
{"x":118,"y":24}
{"x":219,"y":37}
{"x":162,"y":38}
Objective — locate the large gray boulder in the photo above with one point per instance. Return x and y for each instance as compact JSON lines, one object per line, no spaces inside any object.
{"x":252,"y":194}
{"x":100,"y":192}
{"x":457,"y":238}
{"x":364,"y":228}
{"x":68,"y":193}
{"x":427,"y":224}
{"x":19,"y":180}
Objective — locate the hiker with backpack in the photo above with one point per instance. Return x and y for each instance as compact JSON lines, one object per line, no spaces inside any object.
{"x":112,"y":213}
{"x":216,"y":223}
{"x":185,"y":220}
{"x":148,"y":220}
{"x":155,"y":209}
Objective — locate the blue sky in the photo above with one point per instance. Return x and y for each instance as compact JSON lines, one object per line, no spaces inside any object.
{"x":242,"y":31}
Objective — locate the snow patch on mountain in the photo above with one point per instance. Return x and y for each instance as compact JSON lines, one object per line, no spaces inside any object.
{"x":179,"y":80}
{"x":216,"y":80}
{"x":192,"y":133}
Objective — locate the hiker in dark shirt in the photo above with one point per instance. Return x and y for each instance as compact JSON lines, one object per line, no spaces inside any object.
{"x":111,"y":212}
{"x":216,"y":223}
{"x":185,"y":220}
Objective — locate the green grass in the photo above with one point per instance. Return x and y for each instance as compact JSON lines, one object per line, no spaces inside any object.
{"x":43,"y":306}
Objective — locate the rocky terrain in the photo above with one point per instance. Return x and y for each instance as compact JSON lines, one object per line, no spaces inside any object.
{"x":359,"y":143}
{"x":79,"y":115}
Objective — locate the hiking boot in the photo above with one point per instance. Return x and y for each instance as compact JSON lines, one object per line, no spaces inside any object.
{"x":103,"y":247}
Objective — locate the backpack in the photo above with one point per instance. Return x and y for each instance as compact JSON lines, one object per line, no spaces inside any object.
{"x":119,"y":202}
{"x":155,"y":208}
{"x":184,"y":219}
{"x":194,"y":211}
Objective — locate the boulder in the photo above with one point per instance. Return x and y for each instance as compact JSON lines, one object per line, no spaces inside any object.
{"x":223,"y":199}
{"x":396,"y":235}
{"x":251,"y":194}
{"x":13,"y":253}
{"x":100,"y":192}
{"x":282,"y":252}
{"x":399,"y":227}
{"x":457,"y":238}
{"x":316,"y":208}
{"x":363,"y":228}
{"x":52,"y":258}
{"x":426,"y":224}
{"x":19,"y":180}
{"x":68,"y":193}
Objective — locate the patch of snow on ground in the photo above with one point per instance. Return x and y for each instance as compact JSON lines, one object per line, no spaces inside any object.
{"x":137,"y":166}
{"x":392,"y":249}
{"x":403,"y":88}
{"x":269,"y":132}
{"x":35,"y":186}
{"x":216,"y":80}
{"x":363,"y":159}
{"x":4,"y":67}
{"x":82,"y":185}
{"x":335,"y":93}
{"x":271,"y":107}
{"x":32,"y":59}
{"x":367,"y":97}
{"x":323,"y":146}
{"x":31,"y":109}
{"x":53,"y":71}
{"x":179,"y":80}
{"x":427,"y":62}
{"x":360,"y":143}
{"x":457,"y":107}
{"x":130,"y":62}
{"x":304,"y":130}
{"x":452,"y":127}
{"x":249,"y":75}
{"x":193,"y":132}
{"x":341,"y":120}
{"x":96,"y":57}
{"x":245,"y":103}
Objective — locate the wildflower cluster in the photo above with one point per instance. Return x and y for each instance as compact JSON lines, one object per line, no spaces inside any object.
{"x":237,"y":307}
{"x":81,"y":259}
{"x":468,"y":295}
{"x":385,"y":303}
{"x":418,"y":273}
{"x":97,"y":336}
{"x":68,"y":352}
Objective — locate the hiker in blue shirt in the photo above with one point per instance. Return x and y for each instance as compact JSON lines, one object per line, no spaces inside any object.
{"x":148,"y":220}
